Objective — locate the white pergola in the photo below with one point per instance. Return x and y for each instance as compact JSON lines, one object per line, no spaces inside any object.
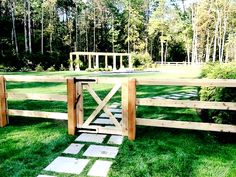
{"x":89,"y":56}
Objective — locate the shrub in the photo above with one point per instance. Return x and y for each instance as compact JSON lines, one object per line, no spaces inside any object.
{"x":218,"y":71}
{"x":39,"y":68}
{"x":62,"y":68}
{"x":141,"y":59}
{"x":51,"y":69}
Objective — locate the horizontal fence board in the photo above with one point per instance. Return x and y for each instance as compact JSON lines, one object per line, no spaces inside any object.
{"x":18,"y":78}
{"x":186,"y":104}
{"x":39,"y":114}
{"x":31,"y":96}
{"x":188,"y":82}
{"x":186,"y":125}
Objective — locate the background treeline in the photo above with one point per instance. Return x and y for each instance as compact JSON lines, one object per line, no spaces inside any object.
{"x":43,"y":32}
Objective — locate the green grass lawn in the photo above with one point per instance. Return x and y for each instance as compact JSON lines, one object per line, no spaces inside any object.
{"x":28,"y":145}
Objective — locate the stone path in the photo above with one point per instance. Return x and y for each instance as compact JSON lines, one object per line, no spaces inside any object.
{"x":89,"y":154}
{"x":179,"y":96}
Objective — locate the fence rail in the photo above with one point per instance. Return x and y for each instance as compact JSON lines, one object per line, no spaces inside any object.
{"x":4,"y":96}
{"x":129,"y":102}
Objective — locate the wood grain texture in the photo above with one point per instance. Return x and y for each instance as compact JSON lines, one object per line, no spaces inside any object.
{"x":187,"y":125}
{"x":3,"y":103}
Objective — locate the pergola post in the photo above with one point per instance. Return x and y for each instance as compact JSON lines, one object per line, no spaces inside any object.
{"x":77,"y":63}
{"x":114,"y":62}
{"x":89,"y":58}
{"x":106,"y":62}
{"x":121,"y":62}
{"x":130,"y":62}
{"x":71,"y":62}
{"x":97,"y":61}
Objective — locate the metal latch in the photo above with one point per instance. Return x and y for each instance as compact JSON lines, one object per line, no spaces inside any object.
{"x":84,"y":80}
{"x":76,"y":101}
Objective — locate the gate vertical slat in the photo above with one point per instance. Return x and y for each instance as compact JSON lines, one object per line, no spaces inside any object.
{"x":80,"y":105}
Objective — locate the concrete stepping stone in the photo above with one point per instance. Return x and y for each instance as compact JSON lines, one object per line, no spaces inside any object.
{"x":103,"y":121}
{"x":158,"y":97}
{"x":101,"y":151}
{"x":116,"y":103}
{"x":113,"y":106}
{"x":100,"y":168}
{"x":174,"y":97}
{"x":119,"y":116}
{"x":93,"y":138}
{"x":104,"y":115}
{"x":73,"y":148}
{"x":115,"y":110}
{"x":115,"y":139}
{"x":45,"y":176}
{"x":67,"y":165}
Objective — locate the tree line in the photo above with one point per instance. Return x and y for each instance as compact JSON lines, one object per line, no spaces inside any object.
{"x":45,"y":31}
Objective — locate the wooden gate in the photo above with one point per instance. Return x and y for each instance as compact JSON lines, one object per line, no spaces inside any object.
{"x":76,"y":87}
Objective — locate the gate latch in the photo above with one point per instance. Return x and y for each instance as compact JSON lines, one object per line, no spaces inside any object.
{"x":76,"y":101}
{"x":84,"y":80}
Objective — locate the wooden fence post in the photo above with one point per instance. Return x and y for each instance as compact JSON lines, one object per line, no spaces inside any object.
{"x":129,"y":107}
{"x":71,"y":100}
{"x":3,"y":102}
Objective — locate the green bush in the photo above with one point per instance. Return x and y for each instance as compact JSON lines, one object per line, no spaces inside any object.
{"x":141,"y":59}
{"x":51,"y":68}
{"x":39,"y":68}
{"x":218,"y":71}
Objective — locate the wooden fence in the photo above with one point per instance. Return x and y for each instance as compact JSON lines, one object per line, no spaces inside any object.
{"x":4,"y":95}
{"x":133,"y":102}
{"x":129,"y":103}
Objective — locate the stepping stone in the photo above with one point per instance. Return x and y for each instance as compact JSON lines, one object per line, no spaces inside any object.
{"x":93,"y":138}
{"x":115,"y":103}
{"x":113,"y":106}
{"x":73,"y":148}
{"x":104,"y":115}
{"x":177,"y":95}
{"x":119,"y":116}
{"x":174,"y":97}
{"x":103,"y":121}
{"x":100,"y":168}
{"x":158,"y":97}
{"x":115,"y":139}
{"x":45,"y":176}
{"x":101,"y":151}
{"x":115,"y":110}
{"x":67,"y":165}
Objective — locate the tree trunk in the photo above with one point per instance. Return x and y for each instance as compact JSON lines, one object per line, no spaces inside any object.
{"x":188,"y":54}
{"x":220,"y":37}
{"x":12,"y":4}
{"x":94,"y":31}
{"x":50,"y":42}
{"x":162,"y":51}
{"x":223,"y":38}
{"x":166,"y":51}
{"x":29,"y":26}
{"x":42,"y":28}
{"x":207,"y":48}
{"x":215,"y":40}
{"x":76,"y":27}
{"x":25,"y":27}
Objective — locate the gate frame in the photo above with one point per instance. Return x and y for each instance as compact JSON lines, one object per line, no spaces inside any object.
{"x":75,"y":113}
